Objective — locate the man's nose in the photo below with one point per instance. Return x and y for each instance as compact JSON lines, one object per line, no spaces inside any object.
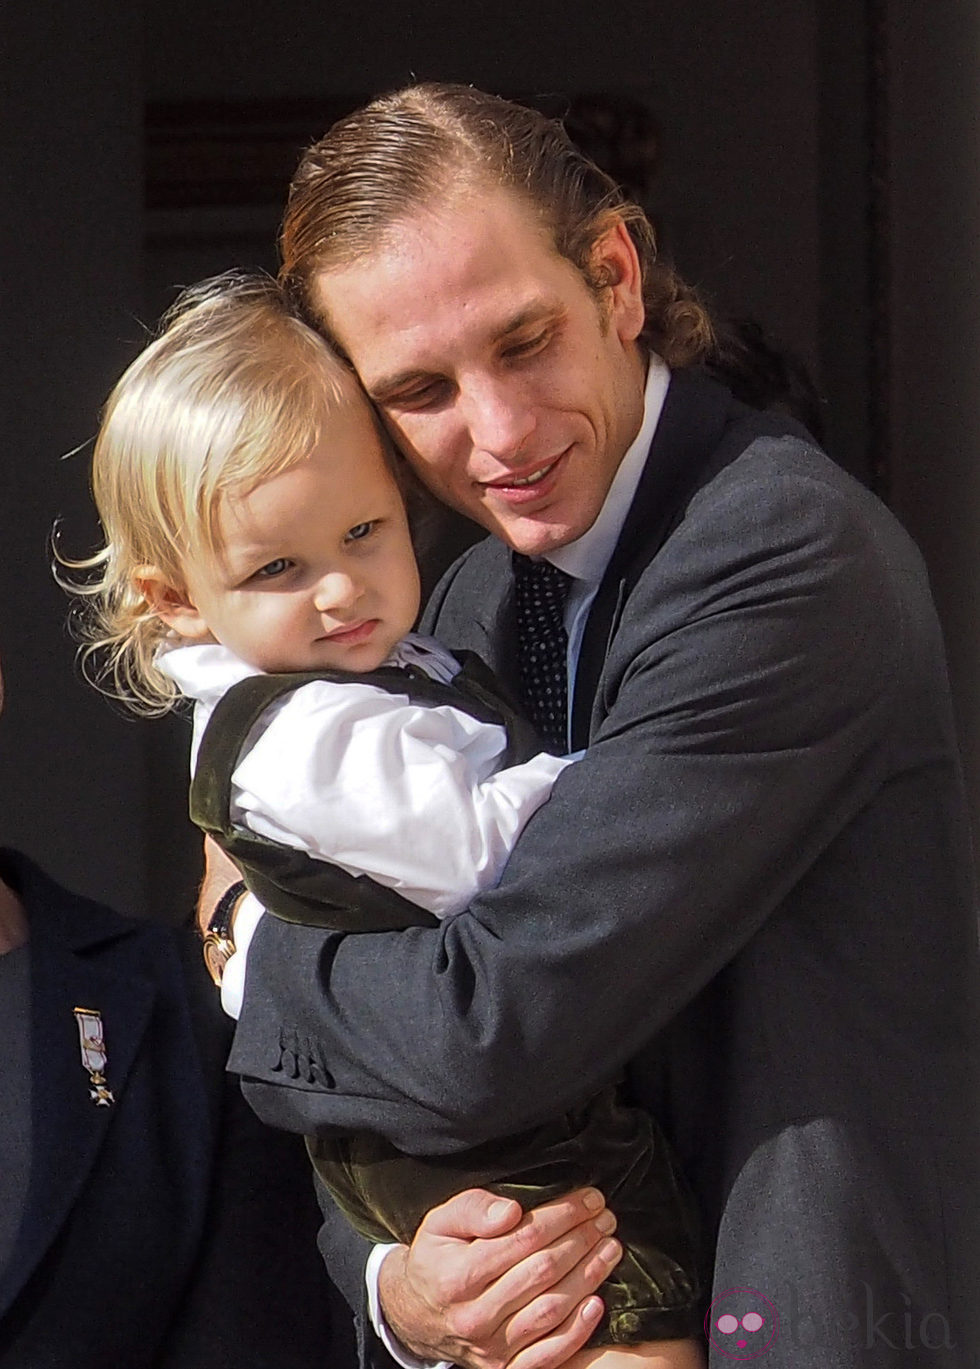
{"x":336,"y":592}
{"x":499,"y":417}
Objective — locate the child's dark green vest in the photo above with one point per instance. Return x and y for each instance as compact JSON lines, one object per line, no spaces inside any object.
{"x":290,"y":883}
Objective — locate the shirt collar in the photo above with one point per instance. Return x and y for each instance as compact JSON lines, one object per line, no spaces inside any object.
{"x":205,"y":672}
{"x":587,"y":557}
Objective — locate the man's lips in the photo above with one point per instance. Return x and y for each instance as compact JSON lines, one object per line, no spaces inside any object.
{"x":532,"y":483}
{"x":352,"y":633}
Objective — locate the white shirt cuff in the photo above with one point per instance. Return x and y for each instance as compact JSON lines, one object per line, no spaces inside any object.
{"x":397,"y":1351}
{"x":247,"y":918}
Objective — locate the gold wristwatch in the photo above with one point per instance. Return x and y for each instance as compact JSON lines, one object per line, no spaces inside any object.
{"x":218,"y":944}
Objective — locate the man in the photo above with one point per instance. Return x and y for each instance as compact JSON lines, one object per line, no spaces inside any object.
{"x":147,"y":1220}
{"x":754,"y":891}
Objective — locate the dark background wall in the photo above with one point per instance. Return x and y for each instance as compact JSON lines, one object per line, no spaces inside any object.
{"x":815,"y":169}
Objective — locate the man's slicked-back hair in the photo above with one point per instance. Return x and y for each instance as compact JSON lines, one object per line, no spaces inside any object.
{"x":414,"y":149}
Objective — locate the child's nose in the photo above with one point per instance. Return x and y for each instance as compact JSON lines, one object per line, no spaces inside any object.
{"x":336,"y":591}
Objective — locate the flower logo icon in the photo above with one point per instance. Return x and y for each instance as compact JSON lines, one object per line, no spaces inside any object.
{"x":742,"y":1323}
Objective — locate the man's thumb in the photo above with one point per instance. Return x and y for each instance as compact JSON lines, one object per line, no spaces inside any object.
{"x":473,"y":1213}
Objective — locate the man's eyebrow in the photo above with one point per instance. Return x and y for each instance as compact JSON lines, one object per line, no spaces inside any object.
{"x":386,"y":386}
{"x":544,"y":311}
{"x":534,"y":314}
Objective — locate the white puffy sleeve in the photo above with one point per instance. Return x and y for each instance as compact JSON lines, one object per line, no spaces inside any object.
{"x":406,"y":794}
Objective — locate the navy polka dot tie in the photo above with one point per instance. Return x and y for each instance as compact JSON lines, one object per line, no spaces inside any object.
{"x":540,"y":592}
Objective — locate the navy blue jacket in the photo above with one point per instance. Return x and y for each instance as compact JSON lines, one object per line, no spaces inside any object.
{"x":169,"y":1228}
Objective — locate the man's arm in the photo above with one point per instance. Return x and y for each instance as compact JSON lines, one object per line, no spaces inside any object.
{"x":748,"y":688}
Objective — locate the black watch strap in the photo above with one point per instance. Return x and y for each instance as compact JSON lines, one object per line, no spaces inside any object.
{"x":218,"y":944}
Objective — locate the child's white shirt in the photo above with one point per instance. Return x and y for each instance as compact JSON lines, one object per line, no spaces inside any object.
{"x":413,"y":796}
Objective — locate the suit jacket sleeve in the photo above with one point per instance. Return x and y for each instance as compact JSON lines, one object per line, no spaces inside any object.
{"x":757,"y":690}
{"x":345,"y":1253}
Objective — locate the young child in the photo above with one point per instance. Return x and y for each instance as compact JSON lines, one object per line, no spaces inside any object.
{"x":258,"y":561}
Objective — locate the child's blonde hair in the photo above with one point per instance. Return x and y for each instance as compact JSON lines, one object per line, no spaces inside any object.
{"x":234,"y":389}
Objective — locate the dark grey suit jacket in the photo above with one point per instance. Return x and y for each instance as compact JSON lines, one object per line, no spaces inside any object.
{"x":755,"y":889}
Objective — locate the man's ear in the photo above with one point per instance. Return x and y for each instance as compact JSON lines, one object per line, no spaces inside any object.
{"x":615,"y":266}
{"x":170,"y":603}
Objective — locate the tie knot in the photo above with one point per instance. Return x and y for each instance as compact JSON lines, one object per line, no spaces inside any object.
{"x":541,"y":576}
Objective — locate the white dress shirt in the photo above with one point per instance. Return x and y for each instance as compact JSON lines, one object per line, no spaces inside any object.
{"x":586,"y":559}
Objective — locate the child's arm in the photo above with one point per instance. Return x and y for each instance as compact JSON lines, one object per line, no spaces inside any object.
{"x":406,"y":794}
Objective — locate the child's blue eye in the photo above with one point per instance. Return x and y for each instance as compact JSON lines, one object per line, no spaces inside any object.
{"x":276,"y":567}
{"x":360,"y":530}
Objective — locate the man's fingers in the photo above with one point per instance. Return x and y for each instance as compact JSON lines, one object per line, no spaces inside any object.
{"x":553,"y":1237}
{"x":544,"y":1314}
{"x":553,"y":1350}
{"x":472,"y":1214}
{"x":534,"y":1267}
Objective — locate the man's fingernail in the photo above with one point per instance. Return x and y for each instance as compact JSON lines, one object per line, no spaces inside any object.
{"x":605,"y":1222}
{"x":593,"y":1199}
{"x":610,"y":1250}
{"x":499,"y":1209}
{"x":592,"y":1309}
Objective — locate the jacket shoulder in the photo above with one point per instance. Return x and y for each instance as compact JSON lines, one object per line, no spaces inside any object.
{"x":479,"y":571}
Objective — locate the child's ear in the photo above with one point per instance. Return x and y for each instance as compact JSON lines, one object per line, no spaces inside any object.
{"x":170,"y":603}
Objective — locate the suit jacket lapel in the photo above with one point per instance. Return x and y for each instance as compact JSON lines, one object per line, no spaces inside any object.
{"x":493,"y":621}
{"x":68,"y":1128}
{"x":688,"y":435}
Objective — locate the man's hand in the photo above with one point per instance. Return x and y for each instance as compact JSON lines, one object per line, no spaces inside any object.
{"x":220,"y":873}
{"x":486,"y":1287}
